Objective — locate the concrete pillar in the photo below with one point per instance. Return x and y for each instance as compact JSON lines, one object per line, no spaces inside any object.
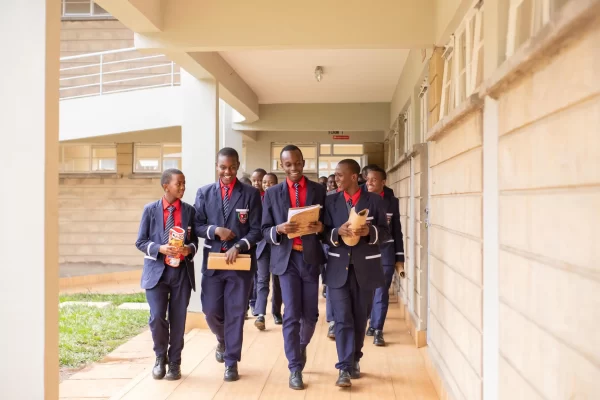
{"x":199,"y":146}
{"x":29,"y":77}
{"x":228,"y":136}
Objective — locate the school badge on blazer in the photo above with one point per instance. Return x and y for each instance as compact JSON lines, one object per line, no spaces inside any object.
{"x":388,"y":218}
{"x":242,"y":214}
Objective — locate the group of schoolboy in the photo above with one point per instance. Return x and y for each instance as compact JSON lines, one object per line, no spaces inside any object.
{"x":251,"y":218}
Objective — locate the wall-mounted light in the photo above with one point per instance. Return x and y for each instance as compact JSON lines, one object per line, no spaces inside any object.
{"x":318,"y":73}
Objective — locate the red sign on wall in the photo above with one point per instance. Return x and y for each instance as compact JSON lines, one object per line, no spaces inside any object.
{"x":341,"y":137}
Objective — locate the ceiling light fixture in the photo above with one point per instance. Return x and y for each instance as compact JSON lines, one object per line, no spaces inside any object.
{"x":318,"y":73}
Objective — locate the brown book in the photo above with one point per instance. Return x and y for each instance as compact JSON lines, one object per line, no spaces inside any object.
{"x":217,"y":261}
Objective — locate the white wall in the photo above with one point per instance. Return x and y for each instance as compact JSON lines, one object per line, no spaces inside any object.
{"x":120,"y":112}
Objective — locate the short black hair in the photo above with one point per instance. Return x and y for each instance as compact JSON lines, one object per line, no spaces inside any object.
{"x":291,"y":147}
{"x":369,"y":167}
{"x":331,"y":176}
{"x":381,"y":172}
{"x":260,"y":171}
{"x":229,"y":152}
{"x":167,"y":175}
{"x":323,"y":177}
{"x":273,"y":176}
{"x":352,"y":164}
{"x":245,"y":181}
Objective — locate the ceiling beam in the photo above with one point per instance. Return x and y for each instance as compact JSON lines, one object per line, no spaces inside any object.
{"x":137,"y":15}
{"x":320,"y":117}
{"x":218,"y":25}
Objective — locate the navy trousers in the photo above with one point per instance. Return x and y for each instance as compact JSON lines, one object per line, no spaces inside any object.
{"x":381,"y":300}
{"x":300,"y":292}
{"x":171,"y":294}
{"x":262,"y":287}
{"x":224,"y":300}
{"x":328,"y":308}
{"x":351,"y":306}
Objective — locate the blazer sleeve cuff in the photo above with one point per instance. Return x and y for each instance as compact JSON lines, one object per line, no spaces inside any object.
{"x":152,"y":250}
{"x":274,"y":236}
{"x":245,"y":243}
{"x":195,"y":250}
{"x":399,"y":257}
{"x":210,"y":232}
{"x":334,"y":237}
{"x":373,"y":235}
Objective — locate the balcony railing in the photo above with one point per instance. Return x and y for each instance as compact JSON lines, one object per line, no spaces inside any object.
{"x":114,"y":71}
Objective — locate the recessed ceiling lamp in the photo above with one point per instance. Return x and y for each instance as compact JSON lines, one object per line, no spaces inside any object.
{"x":318,"y":73}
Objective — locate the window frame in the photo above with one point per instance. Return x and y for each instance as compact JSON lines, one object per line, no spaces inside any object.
{"x":162,"y":146}
{"x":424,"y":110}
{"x":91,"y":147}
{"x":91,"y":13}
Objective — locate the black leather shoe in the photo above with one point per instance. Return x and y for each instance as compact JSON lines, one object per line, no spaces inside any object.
{"x":355,"y":374}
{"x":378,"y":339}
{"x":220,"y":353}
{"x":303,"y":357}
{"x":370,"y":332}
{"x":260,"y":323}
{"x":278,"y":319}
{"x":344,"y":379}
{"x":159,"y":371}
{"x":296,"y":382}
{"x":231,"y":374}
{"x":174,"y":372}
{"x":331,"y":331}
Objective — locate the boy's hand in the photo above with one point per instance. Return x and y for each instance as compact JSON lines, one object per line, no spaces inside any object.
{"x":225,"y":234}
{"x":345,"y":230}
{"x":231,"y":255}
{"x":362,"y":231}
{"x":169,"y":250}
{"x":287,"y":227}
{"x":316,"y":227}
{"x":185,"y":250}
{"x":400,"y":269}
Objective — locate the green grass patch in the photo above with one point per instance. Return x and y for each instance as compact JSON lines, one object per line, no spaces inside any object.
{"x":87,"y":334}
{"x":116,"y":299}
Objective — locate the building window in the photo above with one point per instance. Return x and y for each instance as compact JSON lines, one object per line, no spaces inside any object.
{"x":155,"y":158}
{"x":87,"y":158}
{"x":331,"y":154}
{"x":82,"y":8}
{"x":408,"y":130}
{"x":309,"y":151}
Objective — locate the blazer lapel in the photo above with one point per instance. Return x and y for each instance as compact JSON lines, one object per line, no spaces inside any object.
{"x":217,"y":189}
{"x":185,"y":217}
{"x":340,"y":204}
{"x":159,"y":219}
{"x":310,"y":193}
{"x":363,"y":201}
{"x":285,"y":199}
{"x":235,"y":196}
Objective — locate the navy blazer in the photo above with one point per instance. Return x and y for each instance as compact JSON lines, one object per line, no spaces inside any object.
{"x":262,"y":247}
{"x":366,"y":255}
{"x":150,"y":239}
{"x":392,"y":250}
{"x":245,"y":210}
{"x":275,"y":211}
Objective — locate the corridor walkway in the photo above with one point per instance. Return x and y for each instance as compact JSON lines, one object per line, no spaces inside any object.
{"x":394,"y":372}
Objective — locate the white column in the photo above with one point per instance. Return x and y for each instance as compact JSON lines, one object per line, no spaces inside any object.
{"x":229,"y":137}
{"x":29,"y":77}
{"x":491,"y":301}
{"x":199,"y":142}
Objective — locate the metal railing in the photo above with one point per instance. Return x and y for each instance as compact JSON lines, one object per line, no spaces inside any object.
{"x":104,"y":68}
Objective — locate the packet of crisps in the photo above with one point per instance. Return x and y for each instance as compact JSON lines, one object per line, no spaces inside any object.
{"x":176,"y":239}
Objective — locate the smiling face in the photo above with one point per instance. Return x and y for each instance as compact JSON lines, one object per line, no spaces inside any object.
{"x":375,"y":182}
{"x":227,"y":168}
{"x":331,"y":185}
{"x":257,"y":180}
{"x":345,"y":178}
{"x":176,"y":187}
{"x":292,"y":164}
{"x":268,"y":181}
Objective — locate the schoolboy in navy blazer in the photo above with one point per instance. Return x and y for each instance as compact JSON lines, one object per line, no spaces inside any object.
{"x":228,"y":215}
{"x":296,"y":261}
{"x":168,"y":288}
{"x":353,"y":272}
{"x":392,"y":253}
